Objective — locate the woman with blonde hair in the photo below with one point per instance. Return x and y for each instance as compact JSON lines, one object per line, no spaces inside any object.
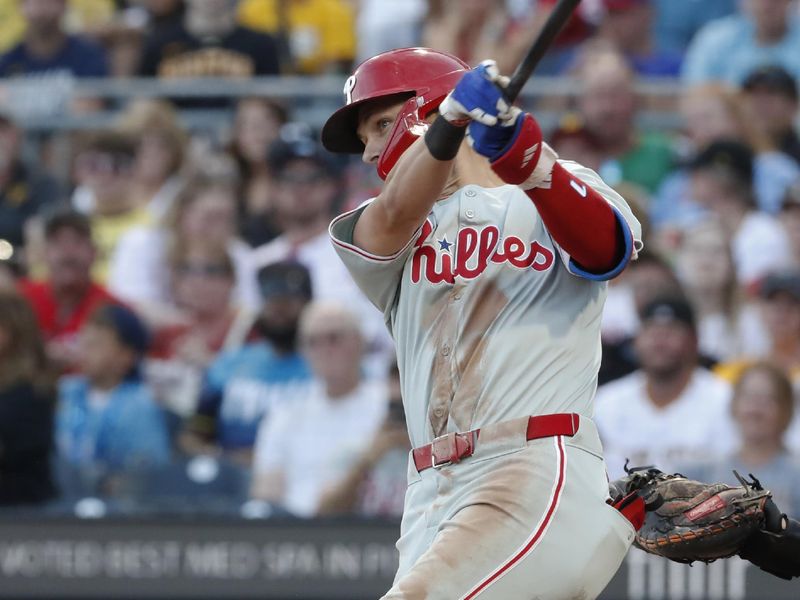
{"x":27,"y":397}
{"x":160,"y":153}
{"x":763,"y":407}
{"x":205,"y":211}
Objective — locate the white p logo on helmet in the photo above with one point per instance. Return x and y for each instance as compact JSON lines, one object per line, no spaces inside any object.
{"x":349,"y":85}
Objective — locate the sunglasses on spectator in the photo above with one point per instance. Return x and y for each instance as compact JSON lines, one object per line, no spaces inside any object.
{"x":204,"y":270}
{"x":101,"y":162}
{"x":328,"y":338}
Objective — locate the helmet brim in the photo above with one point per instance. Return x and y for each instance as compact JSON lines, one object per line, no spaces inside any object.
{"x":339,"y":131}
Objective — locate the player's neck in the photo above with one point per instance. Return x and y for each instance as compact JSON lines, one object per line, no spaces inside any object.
{"x":663,"y":391}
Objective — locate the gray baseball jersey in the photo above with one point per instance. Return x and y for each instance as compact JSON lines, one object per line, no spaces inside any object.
{"x":492,"y":320}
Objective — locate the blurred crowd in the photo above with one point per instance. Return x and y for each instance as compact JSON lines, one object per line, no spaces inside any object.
{"x":177,"y":334}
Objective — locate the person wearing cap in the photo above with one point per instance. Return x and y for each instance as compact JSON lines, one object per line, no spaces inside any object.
{"x":243,"y":385}
{"x":107,"y":420}
{"x":64,"y":300}
{"x":762,"y":32}
{"x":671,"y":409}
{"x":308,"y":184}
{"x":292,"y":467}
{"x":779,"y":293}
{"x":721,"y":182}
{"x":771,"y":97}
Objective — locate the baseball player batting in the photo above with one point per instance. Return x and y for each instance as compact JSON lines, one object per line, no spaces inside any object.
{"x":489,"y":258}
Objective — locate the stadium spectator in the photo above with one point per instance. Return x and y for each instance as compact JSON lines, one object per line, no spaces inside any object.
{"x":627,"y":25}
{"x":209,"y":43}
{"x":671,"y":410}
{"x":64,"y":300}
{"x":309,"y":445}
{"x":790,"y":219}
{"x":471,"y":30}
{"x":319,"y":34}
{"x":25,"y":190}
{"x":244,"y":385}
{"x":382,"y":26}
{"x":714,"y":112}
{"x":47,"y":49}
{"x":763,"y":32}
{"x":160,"y":152}
{"x":203,"y":281}
{"x":375,"y":485}
{"x":649,"y":277}
{"x":107,"y":420}
{"x":104,"y":168}
{"x":307,"y":187}
{"x":676,"y":23}
{"x":27,"y":398}
{"x":762,"y":408}
{"x":607,"y":104}
{"x":257,"y":125}
{"x":771,"y":97}
{"x":204,"y":211}
{"x":780,"y":314}
{"x":722,"y":183}
{"x":727,"y":324}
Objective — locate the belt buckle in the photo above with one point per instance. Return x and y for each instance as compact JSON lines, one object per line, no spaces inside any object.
{"x":451,"y":447}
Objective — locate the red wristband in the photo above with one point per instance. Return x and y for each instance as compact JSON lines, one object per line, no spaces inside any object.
{"x":519,"y":159}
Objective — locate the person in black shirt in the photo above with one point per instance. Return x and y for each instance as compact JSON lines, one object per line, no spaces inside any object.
{"x":24,"y":190}
{"x":209,"y":43}
{"x":27,"y":396}
{"x":771,"y":95}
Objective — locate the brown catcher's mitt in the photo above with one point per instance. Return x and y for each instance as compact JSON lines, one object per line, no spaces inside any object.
{"x":688,"y":520}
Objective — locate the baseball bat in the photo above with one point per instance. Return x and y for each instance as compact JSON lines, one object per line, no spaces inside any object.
{"x":554,"y":24}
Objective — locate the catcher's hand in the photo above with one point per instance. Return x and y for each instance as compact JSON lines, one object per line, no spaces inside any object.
{"x":688,"y":520}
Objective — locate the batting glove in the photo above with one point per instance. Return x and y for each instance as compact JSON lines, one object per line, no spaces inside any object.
{"x":477,"y":97}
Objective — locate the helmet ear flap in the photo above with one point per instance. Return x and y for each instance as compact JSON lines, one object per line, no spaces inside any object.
{"x":408,"y":126}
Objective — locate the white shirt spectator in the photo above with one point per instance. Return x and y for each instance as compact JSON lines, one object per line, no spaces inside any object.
{"x":315,"y":441}
{"x":330,"y":281}
{"x":760,"y":246}
{"x":697,"y":425}
{"x":139,"y":271}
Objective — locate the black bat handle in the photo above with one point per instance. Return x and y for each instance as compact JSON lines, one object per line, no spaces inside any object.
{"x":555,"y":22}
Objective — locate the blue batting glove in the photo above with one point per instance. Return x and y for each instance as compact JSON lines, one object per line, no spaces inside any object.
{"x":478,"y":96}
{"x":493,"y":141}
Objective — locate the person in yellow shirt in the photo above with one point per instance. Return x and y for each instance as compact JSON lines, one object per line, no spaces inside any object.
{"x":104,"y":167}
{"x":320,"y":33}
{"x":780,"y":312}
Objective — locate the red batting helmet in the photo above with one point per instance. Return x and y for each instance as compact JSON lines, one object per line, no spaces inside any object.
{"x":425,"y":75}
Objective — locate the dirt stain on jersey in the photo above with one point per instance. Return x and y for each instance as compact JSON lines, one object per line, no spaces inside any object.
{"x":488,"y":302}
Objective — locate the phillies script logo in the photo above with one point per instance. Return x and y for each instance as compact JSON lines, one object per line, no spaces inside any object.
{"x":478,"y":247}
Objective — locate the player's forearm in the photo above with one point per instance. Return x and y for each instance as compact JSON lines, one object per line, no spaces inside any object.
{"x":413,"y":186}
{"x":580,"y":221}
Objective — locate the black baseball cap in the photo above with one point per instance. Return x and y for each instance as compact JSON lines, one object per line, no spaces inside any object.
{"x":67,"y":218}
{"x":669,"y":310}
{"x":730,"y":155}
{"x":771,"y":78}
{"x":284,"y":278}
{"x":774,"y":283}
{"x":297,"y":143}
